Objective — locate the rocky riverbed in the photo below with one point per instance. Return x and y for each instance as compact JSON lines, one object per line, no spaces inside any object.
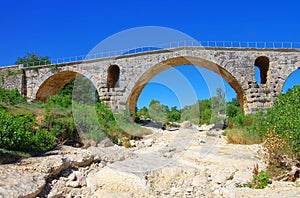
{"x":177,"y":163}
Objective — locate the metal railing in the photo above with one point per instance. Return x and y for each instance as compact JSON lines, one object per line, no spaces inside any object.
{"x":172,"y":45}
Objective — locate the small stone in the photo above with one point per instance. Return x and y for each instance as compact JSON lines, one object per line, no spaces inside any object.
{"x":72,"y":177}
{"x":73,"y":184}
{"x":105,"y":143}
{"x":167,"y":155}
{"x":55,"y":194}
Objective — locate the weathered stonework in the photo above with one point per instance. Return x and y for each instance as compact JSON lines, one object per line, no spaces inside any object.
{"x":236,"y":66}
{"x":11,"y":78}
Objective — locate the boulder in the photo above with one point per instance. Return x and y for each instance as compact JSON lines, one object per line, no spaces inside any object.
{"x":105,"y":143}
{"x":113,"y":180}
{"x":186,"y":124}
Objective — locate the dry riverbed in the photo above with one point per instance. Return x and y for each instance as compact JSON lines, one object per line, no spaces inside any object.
{"x":179,"y":163}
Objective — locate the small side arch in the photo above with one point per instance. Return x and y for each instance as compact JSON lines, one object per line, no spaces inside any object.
{"x":262,"y":63}
{"x":113,"y":76}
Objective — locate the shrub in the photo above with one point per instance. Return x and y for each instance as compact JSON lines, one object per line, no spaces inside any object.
{"x":17,"y":133}
{"x":61,"y":125}
{"x":242,"y":136}
{"x":284,"y":119}
{"x":11,"y":97}
{"x":261,"y":180}
{"x":43,"y":140}
{"x":279,"y":129}
{"x":59,"y":100}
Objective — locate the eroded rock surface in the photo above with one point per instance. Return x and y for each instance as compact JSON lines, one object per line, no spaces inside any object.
{"x":181,"y":163}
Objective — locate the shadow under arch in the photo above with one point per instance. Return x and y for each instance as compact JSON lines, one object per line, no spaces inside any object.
{"x":55,"y":83}
{"x":167,"y":64}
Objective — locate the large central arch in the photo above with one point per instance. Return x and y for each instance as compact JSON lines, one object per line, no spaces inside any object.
{"x":183,"y":60}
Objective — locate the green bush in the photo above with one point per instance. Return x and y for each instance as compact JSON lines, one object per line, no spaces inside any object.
{"x":284,"y":118}
{"x":17,"y":133}
{"x":44,"y":140}
{"x":61,"y":125}
{"x":11,"y":97}
{"x":59,"y":100}
{"x":261,"y":180}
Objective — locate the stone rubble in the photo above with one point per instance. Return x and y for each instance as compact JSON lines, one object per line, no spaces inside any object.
{"x":182,"y":163}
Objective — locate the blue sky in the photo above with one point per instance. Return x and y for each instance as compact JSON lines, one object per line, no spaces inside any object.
{"x":69,"y":28}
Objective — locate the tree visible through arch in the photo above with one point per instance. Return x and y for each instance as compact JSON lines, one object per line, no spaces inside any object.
{"x":158,"y":68}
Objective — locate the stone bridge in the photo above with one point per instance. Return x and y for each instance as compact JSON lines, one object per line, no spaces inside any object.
{"x":119,"y":80}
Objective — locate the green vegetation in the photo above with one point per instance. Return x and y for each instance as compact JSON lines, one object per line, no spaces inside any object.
{"x":74,"y":116}
{"x":10,"y":97}
{"x":33,"y":59}
{"x":278,"y":130}
{"x":260,"y":181}
{"x":7,"y":156}
{"x":284,"y":119}
{"x":202,"y":112}
{"x":38,"y":127}
{"x":18,"y":130}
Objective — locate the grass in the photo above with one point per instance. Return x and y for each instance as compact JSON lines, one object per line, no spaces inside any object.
{"x":11,"y":156}
{"x":242,"y":136}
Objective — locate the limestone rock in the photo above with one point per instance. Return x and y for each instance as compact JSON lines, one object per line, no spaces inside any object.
{"x":113,"y":180}
{"x":186,"y":124}
{"x":161,"y":170}
{"x":74,"y":156}
{"x":19,"y":183}
{"x":105,"y":143}
{"x":110,"y":154}
{"x":205,"y":127}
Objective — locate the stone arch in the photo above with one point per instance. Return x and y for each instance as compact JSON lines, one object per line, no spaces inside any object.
{"x":113,"y":76}
{"x":296,"y":80}
{"x":172,"y":62}
{"x":262,"y":63}
{"x":53,"y":84}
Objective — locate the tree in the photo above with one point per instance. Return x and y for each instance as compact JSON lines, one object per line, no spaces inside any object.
{"x":174,"y":115}
{"x":32,"y":59}
{"x":218,"y":107}
{"x":157,"y":111}
{"x":233,"y":108}
{"x":143,"y":112}
{"x":191,"y":113}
